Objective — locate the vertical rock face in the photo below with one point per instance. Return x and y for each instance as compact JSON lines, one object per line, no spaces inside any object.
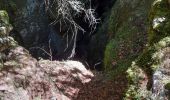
{"x":155,"y":60}
{"x":161,"y":76}
{"x":31,"y":21}
{"x":32,"y":27}
{"x":160,"y":28}
{"x":123,"y":33}
{"x":127,"y":30}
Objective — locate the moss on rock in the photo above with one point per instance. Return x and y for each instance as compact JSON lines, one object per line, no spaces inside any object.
{"x":127,"y":30}
{"x":138,"y":80}
{"x":167,"y":86}
{"x":4,"y":17}
{"x":147,"y":63}
{"x":159,"y":21}
{"x":159,"y":40}
{"x":5,"y":40}
{"x":5,"y":27}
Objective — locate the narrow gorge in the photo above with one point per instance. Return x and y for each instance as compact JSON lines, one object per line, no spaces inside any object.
{"x":84,"y":50}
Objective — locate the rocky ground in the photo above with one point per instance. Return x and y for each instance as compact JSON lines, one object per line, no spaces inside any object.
{"x":25,"y":78}
{"x":22,"y":77}
{"x":102,"y":88}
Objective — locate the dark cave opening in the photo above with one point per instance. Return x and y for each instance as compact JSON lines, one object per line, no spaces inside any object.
{"x":84,"y":40}
{"x":57,"y":48}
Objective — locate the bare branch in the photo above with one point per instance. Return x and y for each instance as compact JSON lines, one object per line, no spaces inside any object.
{"x":67,"y":10}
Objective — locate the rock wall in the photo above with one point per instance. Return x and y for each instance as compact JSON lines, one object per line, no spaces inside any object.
{"x":154,"y":61}
{"x":122,"y":36}
{"x":23,"y":77}
{"x":31,"y":27}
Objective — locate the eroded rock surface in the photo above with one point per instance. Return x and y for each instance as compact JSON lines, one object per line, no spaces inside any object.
{"x":161,"y":77}
{"x":22,"y":77}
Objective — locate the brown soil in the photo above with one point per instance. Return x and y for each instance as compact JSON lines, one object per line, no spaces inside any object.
{"x":101,"y":88}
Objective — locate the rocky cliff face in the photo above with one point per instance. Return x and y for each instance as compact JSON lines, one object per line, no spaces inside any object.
{"x":131,"y":45}
{"x":155,"y":59}
{"x":23,"y":77}
{"x":132,"y":35}
{"x":122,"y":35}
{"x":32,"y":27}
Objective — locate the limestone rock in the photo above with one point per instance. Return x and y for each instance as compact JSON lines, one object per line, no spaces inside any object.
{"x":25,"y":77}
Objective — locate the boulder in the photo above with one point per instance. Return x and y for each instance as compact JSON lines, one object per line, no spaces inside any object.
{"x":23,"y":77}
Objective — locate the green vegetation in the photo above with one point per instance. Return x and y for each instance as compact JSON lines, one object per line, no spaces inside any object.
{"x":4,"y":17}
{"x":4,"y":21}
{"x":147,"y":63}
{"x":160,"y":21}
{"x":159,"y":39}
{"x":158,"y":36}
{"x":124,"y":25}
{"x":134,"y":38}
{"x":167,"y":86}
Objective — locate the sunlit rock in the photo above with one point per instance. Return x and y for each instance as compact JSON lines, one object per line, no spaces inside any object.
{"x":157,"y":22}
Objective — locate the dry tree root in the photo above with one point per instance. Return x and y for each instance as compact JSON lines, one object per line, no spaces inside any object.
{"x":65,"y":13}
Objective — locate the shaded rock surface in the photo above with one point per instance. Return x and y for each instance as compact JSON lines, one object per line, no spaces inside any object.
{"x":23,"y":77}
{"x":32,"y":27}
{"x":122,"y":35}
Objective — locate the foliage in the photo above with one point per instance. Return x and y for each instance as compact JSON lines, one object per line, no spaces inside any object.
{"x":158,"y":33}
{"x":4,"y":17}
{"x":159,"y":21}
{"x":4,"y":23}
{"x":159,"y":39}
{"x":147,"y":63}
{"x":136,"y":77}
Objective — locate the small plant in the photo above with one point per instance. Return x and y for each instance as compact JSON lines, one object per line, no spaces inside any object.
{"x":167,"y":86}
